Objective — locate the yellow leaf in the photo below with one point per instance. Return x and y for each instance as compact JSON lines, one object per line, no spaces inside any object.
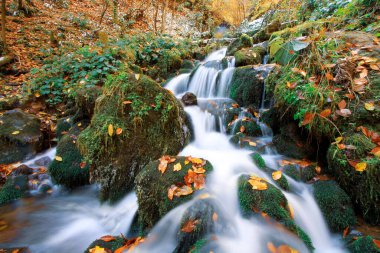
{"x":277,"y":175}
{"x":253,"y":144}
{"x":58,"y":158}
{"x":257,"y":183}
{"x":110,"y":130}
{"x":98,"y":249}
{"x":177,"y":167}
{"x":199,"y":170}
{"x":369,"y":106}
{"x":338,"y":140}
{"x":361,"y":166}
{"x":291,"y":211}
{"x":204,"y":196}
{"x":37,"y":95}
{"x":79,"y":124}
{"x":137,"y":76}
{"x":187,"y":162}
{"x":16,"y":132}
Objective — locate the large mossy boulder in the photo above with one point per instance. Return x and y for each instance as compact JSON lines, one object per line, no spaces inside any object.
{"x":270,"y":201}
{"x":292,"y":143}
{"x":152,"y":187}
{"x":300,"y":173}
{"x":109,"y":244}
{"x":244,"y":41}
{"x":70,"y":169}
{"x":249,"y":56}
{"x":135,"y":121}
{"x":363,"y":244}
{"x":20,"y":136}
{"x":14,"y":188}
{"x":335,"y":205}
{"x":247,"y":126}
{"x":247,"y":84}
{"x":361,"y":186}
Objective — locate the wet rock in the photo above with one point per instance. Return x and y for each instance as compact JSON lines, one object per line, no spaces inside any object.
{"x":72,"y":171}
{"x":249,"y":56}
{"x":22,"y":170}
{"x":247,"y":84}
{"x":14,"y":188}
{"x":20,"y":136}
{"x":43,"y":161}
{"x":335,"y":205}
{"x":18,"y":250}
{"x":364,"y":244}
{"x":270,"y":201}
{"x":299,"y":173}
{"x":111,"y":245}
{"x":152,"y":122}
{"x":152,"y":190}
{"x":247,"y":126}
{"x":290,"y":143}
{"x":189,"y":99}
{"x":243,"y":42}
{"x":362,"y":187}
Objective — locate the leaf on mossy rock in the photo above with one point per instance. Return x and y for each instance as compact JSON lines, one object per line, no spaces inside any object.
{"x":343,"y":112}
{"x":15,"y":132}
{"x":325,"y":113}
{"x":345,"y":232}
{"x":361,"y":166}
{"x":107,"y":238}
{"x":58,"y":158}
{"x":119,"y":131}
{"x":258,"y":183}
{"x":370,"y":106}
{"x":164,"y":161}
{"x":199,"y":181}
{"x":377,"y":243}
{"x":276,"y":175}
{"x":281,"y":249}
{"x":299,"y":71}
{"x":177,"y":167}
{"x":110,"y":130}
{"x":179,"y":191}
{"x":98,"y":249}
{"x":130,"y":245}
{"x":376,"y":151}
{"x":290,"y":85}
{"x":308,"y":118}
{"x":189,"y":226}
{"x":342,"y":104}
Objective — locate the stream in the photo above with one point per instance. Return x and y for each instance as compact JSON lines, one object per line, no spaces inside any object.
{"x":69,"y":222}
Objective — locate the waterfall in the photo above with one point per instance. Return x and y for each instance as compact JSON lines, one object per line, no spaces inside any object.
{"x":210,"y":83}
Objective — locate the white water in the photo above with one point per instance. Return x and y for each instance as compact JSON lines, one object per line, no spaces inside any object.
{"x":244,"y":235}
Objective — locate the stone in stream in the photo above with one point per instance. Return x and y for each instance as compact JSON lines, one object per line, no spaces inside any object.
{"x":270,"y":201}
{"x":249,"y":56}
{"x":335,"y":205}
{"x":20,"y":136}
{"x":14,"y":188}
{"x":135,"y":121}
{"x":152,"y":189}
{"x":189,"y":99}
{"x":362,"y":244}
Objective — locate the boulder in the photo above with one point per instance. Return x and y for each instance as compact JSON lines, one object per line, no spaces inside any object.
{"x":189,"y":99}
{"x":14,"y":188}
{"x":270,"y":201}
{"x":152,"y":188}
{"x":249,"y":56}
{"x":300,"y":173}
{"x":20,"y":136}
{"x":247,"y":126}
{"x":135,"y":121}
{"x":362,"y":186}
{"x":335,"y":205}
{"x":363,"y":244}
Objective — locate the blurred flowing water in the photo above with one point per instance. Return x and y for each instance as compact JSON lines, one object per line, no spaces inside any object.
{"x":69,"y":222}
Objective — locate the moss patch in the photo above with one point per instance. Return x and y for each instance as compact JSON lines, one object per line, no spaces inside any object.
{"x":249,"y":56}
{"x":14,"y":188}
{"x":363,"y":244}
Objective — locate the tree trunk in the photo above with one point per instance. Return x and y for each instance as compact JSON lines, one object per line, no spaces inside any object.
{"x":155,"y":17}
{"x":3,"y":21}
{"x":115,"y":11}
{"x":163,"y":17}
{"x":20,"y":5}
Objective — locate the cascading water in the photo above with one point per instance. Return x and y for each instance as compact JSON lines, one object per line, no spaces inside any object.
{"x":210,"y":83}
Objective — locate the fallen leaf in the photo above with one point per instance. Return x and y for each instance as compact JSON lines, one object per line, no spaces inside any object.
{"x":370,"y":106}
{"x":308,"y":118}
{"x":107,"y":238}
{"x":110,"y":130}
{"x":376,"y":151}
{"x":195,"y":160}
{"x":183,"y":191}
{"x":361,"y":166}
{"x":98,"y":249}
{"x":325,"y":113}
{"x":199,"y":170}
{"x":345,"y":232}
{"x":329,"y":77}
{"x":189,"y":226}
{"x":242,"y":129}
{"x":343,"y":112}
{"x":291,"y":211}
{"x":376,"y":242}
{"x":318,"y":169}
{"x":177,"y":167}
{"x":253,"y":144}
{"x":127,"y":102}
{"x":164,"y":161}
{"x":276,"y":175}
{"x":235,"y":105}
{"x":342,"y":104}
{"x":199,"y":181}
{"x":119,"y":131}
{"x":58,"y":158}
{"x":374,"y":67}
{"x":299,"y":71}
{"x":258,"y":183}
{"x":215,"y":217}
{"x":15,"y":132}
{"x":349,"y":96}
{"x":291,"y":85}
{"x":137,"y":76}
{"x":171,"y":191}
{"x":82,"y":165}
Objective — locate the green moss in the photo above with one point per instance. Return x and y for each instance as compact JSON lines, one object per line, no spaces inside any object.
{"x":63,"y":126}
{"x":362,"y":187}
{"x":249,"y":56}
{"x":270,"y":201}
{"x":363,"y":244}
{"x":258,"y":160}
{"x":187,"y":64}
{"x":246,"y":88}
{"x":14,"y":188}
{"x":250,"y":126}
{"x":198,"y":246}
{"x":335,"y":205}
{"x":152,"y":191}
{"x":299,"y":173}
{"x":112,"y":245}
{"x":68,"y":172}
{"x":152,"y":123}
{"x":302,"y":29}
{"x":245,"y":40}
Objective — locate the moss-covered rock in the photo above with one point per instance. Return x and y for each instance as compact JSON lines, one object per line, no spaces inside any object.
{"x":152,"y":190}
{"x":187,"y":64}
{"x":270,"y":201}
{"x":300,"y":173}
{"x":72,"y":171}
{"x":335,"y":205}
{"x":363,"y":244}
{"x":111,"y":245}
{"x":362,"y":187}
{"x":20,"y":136}
{"x":248,"y":126}
{"x":247,"y":84}
{"x":152,"y":122}
{"x":292,"y":144}
{"x":249,"y":56}
{"x":14,"y":188}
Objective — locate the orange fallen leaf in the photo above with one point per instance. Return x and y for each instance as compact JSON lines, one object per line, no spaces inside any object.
{"x":291,"y":85}
{"x":349,"y":96}
{"x":276,"y":175}
{"x":164,"y":161}
{"x":242,"y":129}
{"x":127,"y":102}
{"x":199,"y":170}
{"x":82,"y":165}
{"x":119,"y":131}
{"x":329,"y":77}
{"x":345,"y":232}
{"x":361,"y":166}
{"x":189,"y":226}
{"x":107,"y":238}
{"x":257,"y":183}
{"x":376,"y":151}
{"x":199,"y":181}
{"x":299,"y":71}
{"x":325,"y":113}
{"x":376,"y":242}
{"x":308,"y":118}
{"x":342,"y":104}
